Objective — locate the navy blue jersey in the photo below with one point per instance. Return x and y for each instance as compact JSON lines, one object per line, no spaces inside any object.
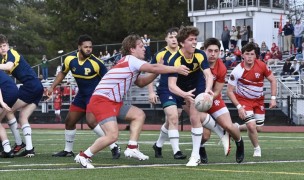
{"x":196,"y":64}
{"x":21,"y":70}
{"x":164,"y":54}
{"x":87,"y":73}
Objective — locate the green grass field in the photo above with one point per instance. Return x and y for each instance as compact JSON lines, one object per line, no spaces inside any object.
{"x":282,"y":158}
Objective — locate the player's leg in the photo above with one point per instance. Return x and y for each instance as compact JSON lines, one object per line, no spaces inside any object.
{"x":163,"y":136}
{"x":136,"y":117}
{"x":202,"y":151}
{"x":24,"y":115}
{"x":7,"y":151}
{"x":196,"y":132}
{"x":110,"y":128}
{"x":172,"y":114}
{"x":73,"y":116}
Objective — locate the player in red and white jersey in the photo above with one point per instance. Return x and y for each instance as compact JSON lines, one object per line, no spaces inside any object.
{"x":106,"y":101}
{"x":245,"y":90}
{"x":219,"y":111}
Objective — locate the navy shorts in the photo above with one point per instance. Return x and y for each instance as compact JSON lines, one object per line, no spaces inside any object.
{"x":168,"y":99}
{"x":81,"y":101}
{"x":9,"y":94}
{"x":31,"y":91}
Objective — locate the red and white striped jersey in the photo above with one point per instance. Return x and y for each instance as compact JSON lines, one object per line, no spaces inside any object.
{"x":249,"y":83}
{"x":118,"y":80}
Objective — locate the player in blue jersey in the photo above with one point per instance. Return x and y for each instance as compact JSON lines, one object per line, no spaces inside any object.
{"x":199,"y":80}
{"x":8,"y":97}
{"x":171,"y":108}
{"x":29,"y":94}
{"x":87,"y":71}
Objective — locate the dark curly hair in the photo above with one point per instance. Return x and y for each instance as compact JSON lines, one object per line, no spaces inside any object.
{"x":185,"y":32}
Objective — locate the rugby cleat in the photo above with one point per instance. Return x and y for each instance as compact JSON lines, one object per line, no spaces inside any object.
{"x":85,"y":162}
{"x":116,"y":152}
{"x":179,"y":155}
{"x":157,"y":151}
{"x":257,"y":152}
{"x":27,"y":153}
{"x":226,"y":143}
{"x":203,"y":155}
{"x":18,"y":148}
{"x":239,"y":156}
{"x":193,"y":161}
{"x":64,"y":154}
{"x":135,"y":153}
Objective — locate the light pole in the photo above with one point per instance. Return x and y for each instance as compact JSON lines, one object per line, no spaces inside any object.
{"x":60,"y":52}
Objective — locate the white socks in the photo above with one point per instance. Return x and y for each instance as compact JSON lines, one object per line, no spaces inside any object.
{"x":27,"y":133}
{"x":6,"y":146}
{"x":174,"y":140}
{"x":69,"y":139}
{"x":163,"y":136}
{"x":209,"y":123}
{"x":15,"y":131}
{"x":196,"y":134}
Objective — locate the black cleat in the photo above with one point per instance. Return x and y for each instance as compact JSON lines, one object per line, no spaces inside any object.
{"x":64,"y":154}
{"x":239,"y":155}
{"x":116,"y":152}
{"x":7,"y":154}
{"x":158,"y":151}
{"x":18,"y":148}
{"x":179,"y":155}
{"x":27,"y":153}
{"x":203,"y":155}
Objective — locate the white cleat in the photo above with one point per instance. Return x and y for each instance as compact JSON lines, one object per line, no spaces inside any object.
{"x":193,"y":161}
{"x":257,"y":152}
{"x":226,"y":143}
{"x":84,"y":162}
{"x":135,"y":153}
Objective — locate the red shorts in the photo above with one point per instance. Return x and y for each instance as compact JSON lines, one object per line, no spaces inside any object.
{"x":254,"y":105}
{"x":74,"y":108}
{"x":103,"y":108}
{"x":218,"y":107}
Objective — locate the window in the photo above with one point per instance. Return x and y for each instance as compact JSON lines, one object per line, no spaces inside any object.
{"x":276,"y":24}
{"x":245,"y":22}
{"x":219,"y":27}
{"x":205,"y":29}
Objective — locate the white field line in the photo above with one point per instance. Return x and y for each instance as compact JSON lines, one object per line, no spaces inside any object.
{"x":158,"y":165}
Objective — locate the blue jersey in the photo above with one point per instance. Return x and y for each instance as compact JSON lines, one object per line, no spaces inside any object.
{"x":164,"y":54}
{"x":196,"y":65}
{"x":87,"y":73}
{"x":21,"y":70}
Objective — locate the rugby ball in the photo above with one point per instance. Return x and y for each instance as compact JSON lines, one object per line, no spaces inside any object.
{"x":203,"y":102}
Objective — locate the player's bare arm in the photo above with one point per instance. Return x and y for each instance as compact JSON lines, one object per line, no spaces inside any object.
{"x":209,"y":81}
{"x":217,"y":89}
{"x":162,"y":69}
{"x":273,"y":86}
{"x":57,"y":80}
{"x":231,"y":95}
{"x":7,"y":66}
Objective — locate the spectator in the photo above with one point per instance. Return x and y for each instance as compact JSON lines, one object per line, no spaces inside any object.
{"x":263,"y":50}
{"x":233,"y":36}
{"x":238,"y":54}
{"x":267,"y":56}
{"x":244,"y":36}
{"x":298,"y":32}
{"x":299,"y":55}
{"x":286,"y":67}
{"x":231,"y":49}
{"x":288,"y":32}
{"x":57,"y":107}
{"x":225,"y":37}
{"x":44,"y":67}
{"x":301,"y":67}
{"x":276,"y":57}
{"x":146,"y":42}
{"x":227,"y":54}
{"x":100,"y":55}
{"x":273,"y":47}
{"x":230,"y":60}
{"x":222,"y":55}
